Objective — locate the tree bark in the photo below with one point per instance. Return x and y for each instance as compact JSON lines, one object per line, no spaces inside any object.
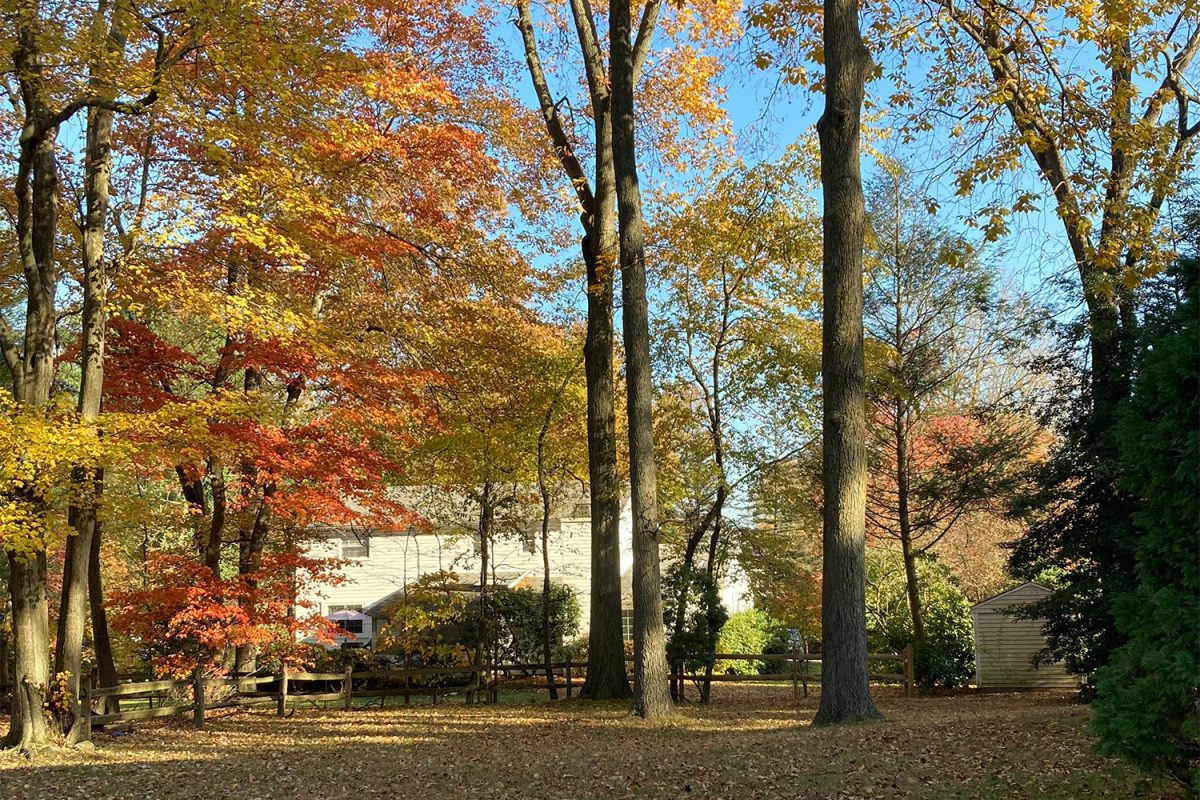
{"x":31,"y":628}
{"x":101,"y":642}
{"x":606,"y":678}
{"x":845,"y":692}
{"x":651,"y":697}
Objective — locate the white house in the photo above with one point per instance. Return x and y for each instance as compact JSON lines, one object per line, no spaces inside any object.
{"x":1006,"y":645}
{"x":385,"y":561}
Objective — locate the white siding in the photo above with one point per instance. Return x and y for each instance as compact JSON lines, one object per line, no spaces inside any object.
{"x":1004,"y":645}
{"x":401,"y":558}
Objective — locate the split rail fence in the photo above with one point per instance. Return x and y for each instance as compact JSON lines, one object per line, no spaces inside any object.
{"x":479,"y":683}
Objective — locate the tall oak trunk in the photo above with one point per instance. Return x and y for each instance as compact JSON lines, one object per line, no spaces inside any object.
{"x":73,"y":612}
{"x":651,"y":697}
{"x":845,"y":692}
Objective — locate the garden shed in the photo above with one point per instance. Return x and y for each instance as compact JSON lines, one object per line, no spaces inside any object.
{"x":1005,"y":645}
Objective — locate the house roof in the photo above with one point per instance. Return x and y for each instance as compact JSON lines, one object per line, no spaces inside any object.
{"x":1028,"y":584}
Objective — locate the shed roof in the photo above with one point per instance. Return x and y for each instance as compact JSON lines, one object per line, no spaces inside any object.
{"x":1042,"y":590}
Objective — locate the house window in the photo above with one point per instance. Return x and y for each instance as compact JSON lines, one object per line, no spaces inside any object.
{"x":356,"y":545}
{"x":333,"y":609}
{"x":627,"y":624}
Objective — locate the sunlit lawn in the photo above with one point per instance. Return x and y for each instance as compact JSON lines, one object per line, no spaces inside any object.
{"x":752,"y":742}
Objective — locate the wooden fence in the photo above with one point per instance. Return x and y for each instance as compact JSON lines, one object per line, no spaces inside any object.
{"x":479,"y":683}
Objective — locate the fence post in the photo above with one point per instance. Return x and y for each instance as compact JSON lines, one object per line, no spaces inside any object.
{"x":348,"y":687}
{"x":283,"y":689}
{"x":909,"y":670}
{"x":795,"y":672}
{"x":198,"y":697}
{"x":568,"y":679}
{"x":85,"y":704}
{"x":804,"y":664}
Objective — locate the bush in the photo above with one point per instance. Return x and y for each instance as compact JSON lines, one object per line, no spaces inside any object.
{"x":519,"y":621}
{"x":947,"y":656}
{"x":693,"y":643}
{"x":747,"y":631}
{"x":782,"y":642}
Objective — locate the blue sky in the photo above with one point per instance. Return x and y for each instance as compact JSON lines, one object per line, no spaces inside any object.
{"x":768,"y":117}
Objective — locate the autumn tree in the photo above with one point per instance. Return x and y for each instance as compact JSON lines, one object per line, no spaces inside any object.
{"x":47,"y":92}
{"x":597,"y":198}
{"x":650,"y":698}
{"x":738,"y":341}
{"x":940,"y":448}
{"x":277,"y":318}
{"x":1102,"y":116}
{"x":683,"y":122}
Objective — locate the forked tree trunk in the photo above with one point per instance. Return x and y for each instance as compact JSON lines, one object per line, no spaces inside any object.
{"x":845,"y":692}
{"x":606,"y":648}
{"x":606,"y":678}
{"x":651,"y":697}
{"x":36,"y":227}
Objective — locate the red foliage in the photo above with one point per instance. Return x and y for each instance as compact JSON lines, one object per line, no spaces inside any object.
{"x":187,"y":618}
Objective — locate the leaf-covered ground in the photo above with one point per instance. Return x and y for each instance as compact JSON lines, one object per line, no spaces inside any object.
{"x":752,"y":742}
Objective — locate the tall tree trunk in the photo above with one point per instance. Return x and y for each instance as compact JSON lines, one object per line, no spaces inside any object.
{"x":606,"y":648}
{"x":36,"y":193}
{"x":845,"y":691}
{"x":73,"y":613}
{"x":904,"y":517}
{"x":101,"y":642}
{"x":547,"y":596}
{"x":606,"y":679}
{"x":651,"y":696}
{"x":31,"y":629}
